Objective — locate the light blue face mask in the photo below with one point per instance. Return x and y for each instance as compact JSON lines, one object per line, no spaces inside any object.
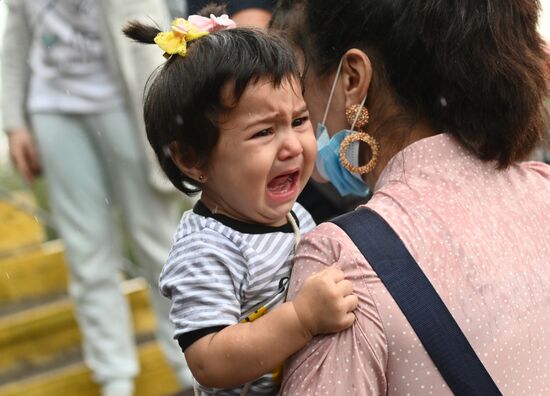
{"x":328,"y":155}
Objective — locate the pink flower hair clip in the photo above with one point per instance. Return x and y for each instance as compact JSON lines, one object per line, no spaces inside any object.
{"x":185,"y":30}
{"x":212,"y":24}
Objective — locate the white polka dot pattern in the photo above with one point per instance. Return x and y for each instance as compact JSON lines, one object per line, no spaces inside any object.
{"x":482,"y":236}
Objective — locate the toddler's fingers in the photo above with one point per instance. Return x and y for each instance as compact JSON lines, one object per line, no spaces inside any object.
{"x":351,"y":302}
{"x":344,"y":287}
{"x":348,"y":320}
{"x":334,"y":273}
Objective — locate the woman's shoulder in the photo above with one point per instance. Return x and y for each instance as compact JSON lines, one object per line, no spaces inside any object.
{"x":531,"y":177}
{"x":329,"y":239}
{"x":329,"y":245}
{"x":539,"y":168}
{"x":326,"y":245}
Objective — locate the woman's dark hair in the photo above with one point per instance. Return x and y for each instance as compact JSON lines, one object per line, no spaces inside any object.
{"x":287,"y":19}
{"x":474,"y":68}
{"x":183,"y":102}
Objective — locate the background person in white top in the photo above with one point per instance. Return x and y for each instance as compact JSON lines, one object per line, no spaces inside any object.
{"x":72,"y":92}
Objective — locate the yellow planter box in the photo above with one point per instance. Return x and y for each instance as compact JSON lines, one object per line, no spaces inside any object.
{"x":155,"y":379}
{"x":33,"y":273}
{"x":38,"y":335}
{"x":18,"y":228}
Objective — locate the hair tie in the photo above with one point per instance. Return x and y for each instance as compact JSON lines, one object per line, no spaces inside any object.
{"x":185,"y":30}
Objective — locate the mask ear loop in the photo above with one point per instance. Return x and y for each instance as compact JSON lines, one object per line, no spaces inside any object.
{"x":332,"y":90}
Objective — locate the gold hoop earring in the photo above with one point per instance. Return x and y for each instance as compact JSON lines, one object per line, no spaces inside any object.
{"x":359,"y":136}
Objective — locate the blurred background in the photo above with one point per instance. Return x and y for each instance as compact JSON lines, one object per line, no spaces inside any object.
{"x":40,"y":342}
{"x":39,"y":337}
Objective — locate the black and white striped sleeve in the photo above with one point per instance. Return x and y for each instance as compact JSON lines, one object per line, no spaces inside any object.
{"x":201,"y":280}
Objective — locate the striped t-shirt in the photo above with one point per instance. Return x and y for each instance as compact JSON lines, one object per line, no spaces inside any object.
{"x":220,"y":269}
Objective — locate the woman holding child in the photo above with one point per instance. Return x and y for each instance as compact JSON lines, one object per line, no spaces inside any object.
{"x":447,"y":100}
{"x":454,"y":94}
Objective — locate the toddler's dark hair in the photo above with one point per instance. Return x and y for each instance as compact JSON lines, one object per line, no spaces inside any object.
{"x":183,"y":101}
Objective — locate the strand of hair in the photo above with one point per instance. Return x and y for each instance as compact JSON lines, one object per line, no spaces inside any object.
{"x":141,"y":33}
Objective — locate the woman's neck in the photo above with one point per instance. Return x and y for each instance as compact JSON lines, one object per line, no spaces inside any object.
{"x":392,"y":143}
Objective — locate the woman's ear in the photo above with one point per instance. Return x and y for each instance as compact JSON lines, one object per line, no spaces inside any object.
{"x":187,"y":161}
{"x":356,"y":76}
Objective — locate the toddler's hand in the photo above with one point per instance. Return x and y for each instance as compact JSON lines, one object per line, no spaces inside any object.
{"x":325,"y":302}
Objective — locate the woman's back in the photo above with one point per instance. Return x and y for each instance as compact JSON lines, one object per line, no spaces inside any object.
{"x":482,"y":236}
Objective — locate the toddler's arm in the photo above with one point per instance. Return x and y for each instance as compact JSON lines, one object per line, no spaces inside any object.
{"x":245,"y":351}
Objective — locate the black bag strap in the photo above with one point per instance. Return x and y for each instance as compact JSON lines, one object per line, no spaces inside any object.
{"x":412,"y":291}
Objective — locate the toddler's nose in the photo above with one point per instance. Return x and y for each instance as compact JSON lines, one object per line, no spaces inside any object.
{"x":291,"y":146}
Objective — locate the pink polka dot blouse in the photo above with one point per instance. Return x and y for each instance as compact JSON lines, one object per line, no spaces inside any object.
{"x":482,"y":237}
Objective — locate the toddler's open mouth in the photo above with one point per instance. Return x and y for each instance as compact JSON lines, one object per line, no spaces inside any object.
{"x":283,"y":184}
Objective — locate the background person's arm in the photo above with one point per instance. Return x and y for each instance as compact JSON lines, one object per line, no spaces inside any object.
{"x":15,"y":76}
{"x":24,"y":153}
{"x":15,"y":69}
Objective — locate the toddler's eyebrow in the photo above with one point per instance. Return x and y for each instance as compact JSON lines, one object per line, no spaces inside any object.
{"x":301,"y":109}
{"x":263,"y":118}
{"x":271,"y":117}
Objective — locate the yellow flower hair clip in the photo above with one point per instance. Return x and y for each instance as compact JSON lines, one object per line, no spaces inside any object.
{"x":175,"y":41}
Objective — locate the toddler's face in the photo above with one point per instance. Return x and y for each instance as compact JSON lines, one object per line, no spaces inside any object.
{"x":264,"y":156}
